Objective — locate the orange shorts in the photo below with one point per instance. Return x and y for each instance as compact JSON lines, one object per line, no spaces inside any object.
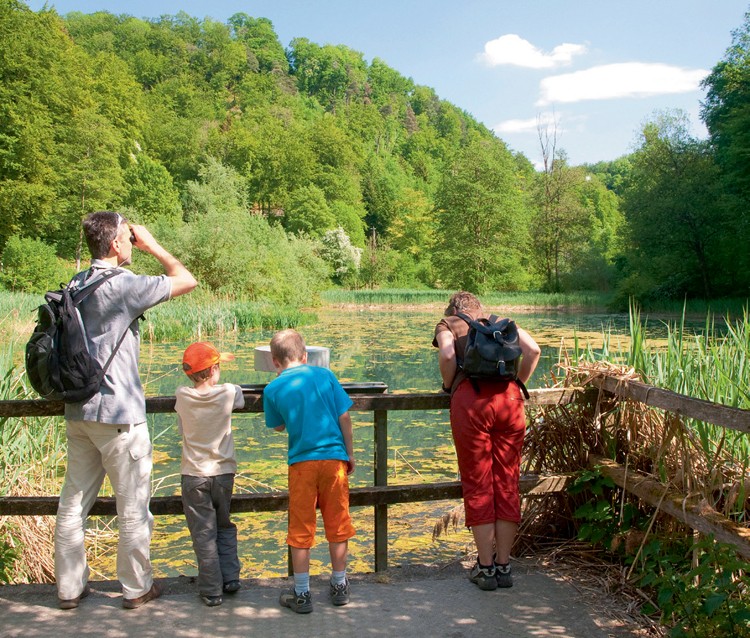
{"x":321,"y":483}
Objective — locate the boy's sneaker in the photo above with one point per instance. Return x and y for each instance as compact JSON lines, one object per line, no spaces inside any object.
{"x":212,"y":601}
{"x":340,"y":593}
{"x":504,"y":577}
{"x":299,"y":603}
{"x":232,"y":587}
{"x":483,"y":577}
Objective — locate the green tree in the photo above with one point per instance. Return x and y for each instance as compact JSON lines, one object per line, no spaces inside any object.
{"x":35,"y":85}
{"x":307,"y":212}
{"x":218,"y":188}
{"x":413,"y":230}
{"x":350,"y":218}
{"x":261,"y":41}
{"x":675,"y":209}
{"x":386,"y":85}
{"x":332,"y":74}
{"x":482,"y":230}
{"x":561,"y":221}
{"x":150,"y":192}
{"x":29,"y":265}
{"x":726,"y":112}
{"x":595,"y":259}
{"x":383,"y":181}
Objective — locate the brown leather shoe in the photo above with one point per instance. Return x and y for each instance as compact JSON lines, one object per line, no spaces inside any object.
{"x":72,"y":603}
{"x":133,"y":603}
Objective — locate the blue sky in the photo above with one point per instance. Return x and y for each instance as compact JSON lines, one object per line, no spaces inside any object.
{"x":593,"y":69}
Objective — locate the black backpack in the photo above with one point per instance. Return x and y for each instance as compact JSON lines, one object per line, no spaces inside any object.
{"x":58,"y":362}
{"x":492,"y":349}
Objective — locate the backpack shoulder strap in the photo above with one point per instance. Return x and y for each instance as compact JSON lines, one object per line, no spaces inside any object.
{"x":93,"y":280}
{"x":466,"y":318}
{"x":91,"y":283}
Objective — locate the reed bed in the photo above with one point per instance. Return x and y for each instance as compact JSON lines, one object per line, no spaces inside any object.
{"x":692,"y":456}
{"x":417,"y":297}
{"x":32,"y":456}
{"x":191,"y":318}
{"x":197,"y":316}
{"x":690,"y":584}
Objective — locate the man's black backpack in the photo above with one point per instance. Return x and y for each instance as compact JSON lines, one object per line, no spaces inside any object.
{"x":58,"y":362}
{"x":492,"y":349}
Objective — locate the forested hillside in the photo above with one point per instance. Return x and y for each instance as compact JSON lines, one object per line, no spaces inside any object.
{"x":274,"y":172}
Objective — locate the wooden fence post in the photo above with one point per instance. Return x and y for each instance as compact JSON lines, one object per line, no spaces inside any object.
{"x":381,"y":480}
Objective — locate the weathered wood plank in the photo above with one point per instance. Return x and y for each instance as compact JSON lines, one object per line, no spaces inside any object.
{"x":725,"y":416}
{"x":531,"y":485}
{"x":254,"y":402}
{"x":688,"y":510}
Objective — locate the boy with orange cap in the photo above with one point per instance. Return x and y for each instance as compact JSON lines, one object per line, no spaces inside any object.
{"x":204,"y":418}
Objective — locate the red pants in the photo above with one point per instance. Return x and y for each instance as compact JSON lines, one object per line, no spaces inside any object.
{"x":488,"y":430}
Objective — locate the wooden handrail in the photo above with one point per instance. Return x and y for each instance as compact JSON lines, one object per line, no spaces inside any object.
{"x":723,"y":415}
{"x":379,"y":496}
{"x":688,"y":509}
{"x":254,"y":402}
{"x":530,"y":485}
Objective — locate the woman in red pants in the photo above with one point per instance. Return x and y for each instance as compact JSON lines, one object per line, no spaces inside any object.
{"x":488,"y":423}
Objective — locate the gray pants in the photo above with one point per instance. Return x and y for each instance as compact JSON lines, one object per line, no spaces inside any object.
{"x":205,"y":500}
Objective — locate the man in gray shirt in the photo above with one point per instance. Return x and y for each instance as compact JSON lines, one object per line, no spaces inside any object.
{"x":107,"y":434}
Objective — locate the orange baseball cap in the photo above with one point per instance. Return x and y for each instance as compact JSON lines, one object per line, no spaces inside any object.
{"x":201,"y":355}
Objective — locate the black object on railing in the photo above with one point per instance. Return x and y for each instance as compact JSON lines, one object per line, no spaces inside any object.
{"x":365,"y":387}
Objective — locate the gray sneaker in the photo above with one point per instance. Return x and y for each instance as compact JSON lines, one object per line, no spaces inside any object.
{"x":504,"y":576}
{"x":299,"y":603}
{"x":483,"y":577}
{"x":340,"y":593}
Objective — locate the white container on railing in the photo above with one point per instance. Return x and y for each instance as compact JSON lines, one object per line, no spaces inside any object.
{"x":316,"y":356}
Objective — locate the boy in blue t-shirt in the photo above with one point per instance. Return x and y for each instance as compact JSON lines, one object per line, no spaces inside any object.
{"x":311,"y":405}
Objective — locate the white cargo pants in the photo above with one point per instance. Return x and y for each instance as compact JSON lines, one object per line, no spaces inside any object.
{"x":123,"y":453}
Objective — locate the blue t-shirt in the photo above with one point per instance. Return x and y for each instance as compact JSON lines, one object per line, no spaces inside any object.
{"x":308,"y":400}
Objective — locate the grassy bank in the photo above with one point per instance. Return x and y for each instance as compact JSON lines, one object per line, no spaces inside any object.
{"x":582,"y":300}
{"x":540,"y":300}
{"x":187,"y":318}
{"x":199,"y":316}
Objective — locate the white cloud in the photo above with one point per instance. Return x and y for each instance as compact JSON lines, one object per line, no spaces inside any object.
{"x":530,"y":125}
{"x":514,"y":50}
{"x":628,"y":79}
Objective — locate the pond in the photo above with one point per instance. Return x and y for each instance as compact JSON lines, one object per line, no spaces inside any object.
{"x":389,"y":345}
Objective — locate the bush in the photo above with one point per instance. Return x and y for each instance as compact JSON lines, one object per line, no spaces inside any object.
{"x":29,"y":265}
{"x":708,"y":599}
{"x":237,"y":254}
{"x":344,"y":258}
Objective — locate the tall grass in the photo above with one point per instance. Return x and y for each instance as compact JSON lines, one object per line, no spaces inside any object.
{"x":201,"y":315}
{"x":32,"y":453}
{"x":191,"y":317}
{"x":404,"y":296}
{"x":714,"y":366}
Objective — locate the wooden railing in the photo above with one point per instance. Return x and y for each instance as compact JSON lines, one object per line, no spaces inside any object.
{"x":690,"y":509}
{"x":366,"y":398}
{"x":683,"y":507}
